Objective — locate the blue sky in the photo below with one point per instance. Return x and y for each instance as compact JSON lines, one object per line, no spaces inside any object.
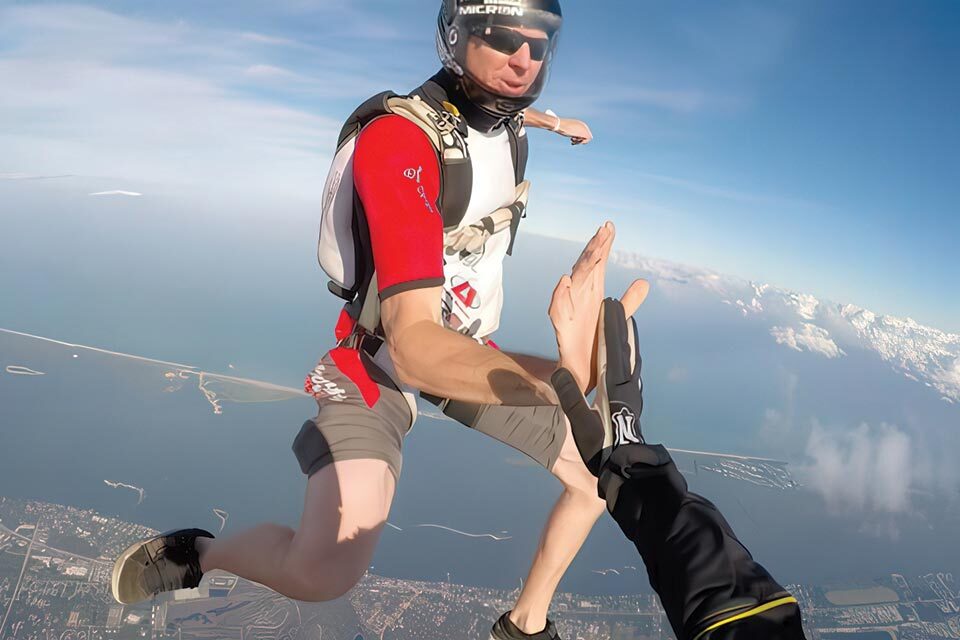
{"x":811,"y":145}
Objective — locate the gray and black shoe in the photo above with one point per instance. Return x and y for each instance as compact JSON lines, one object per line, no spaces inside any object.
{"x":166,"y":562}
{"x":504,"y":629}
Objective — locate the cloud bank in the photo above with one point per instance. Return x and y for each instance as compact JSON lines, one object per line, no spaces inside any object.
{"x":809,"y":337}
{"x":866,"y":469}
{"x":106,"y":95}
{"x":801,"y":322}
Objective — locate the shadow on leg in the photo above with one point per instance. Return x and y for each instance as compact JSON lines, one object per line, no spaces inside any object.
{"x":567,"y":527}
{"x":346,"y":506}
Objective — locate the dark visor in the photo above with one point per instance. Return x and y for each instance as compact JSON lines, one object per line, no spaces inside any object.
{"x":508,"y":41}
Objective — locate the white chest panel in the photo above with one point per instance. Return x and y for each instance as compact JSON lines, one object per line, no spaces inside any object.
{"x":473,"y":291}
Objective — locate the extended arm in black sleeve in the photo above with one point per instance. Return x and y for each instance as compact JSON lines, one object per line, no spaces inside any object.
{"x":708,"y":583}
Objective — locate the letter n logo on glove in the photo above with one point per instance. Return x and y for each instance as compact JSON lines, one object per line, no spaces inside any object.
{"x":625,"y":430}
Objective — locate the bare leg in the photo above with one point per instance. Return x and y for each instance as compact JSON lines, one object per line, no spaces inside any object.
{"x":346,"y":506}
{"x":568,"y":525}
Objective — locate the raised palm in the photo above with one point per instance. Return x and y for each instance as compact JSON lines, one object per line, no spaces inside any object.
{"x":575,"y":306}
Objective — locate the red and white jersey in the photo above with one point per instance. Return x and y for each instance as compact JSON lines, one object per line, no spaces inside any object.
{"x":397,"y":177}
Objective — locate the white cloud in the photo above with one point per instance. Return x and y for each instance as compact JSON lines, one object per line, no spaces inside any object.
{"x":268,"y":71}
{"x":725,"y":193}
{"x":949,"y":376}
{"x":678,"y":374}
{"x":802,"y":322}
{"x":753,"y":306}
{"x":929,"y":354}
{"x":778,"y":430}
{"x":265,"y":39}
{"x":683,"y":101}
{"x":775,"y":426}
{"x":809,"y":337}
{"x":117,"y":192}
{"x":805,"y":304}
{"x":673,"y":272}
{"x":867,"y":469}
{"x":607,"y":100}
{"x":168,"y":127}
{"x":566,"y":179}
{"x":100,"y":94}
{"x":30,"y":176}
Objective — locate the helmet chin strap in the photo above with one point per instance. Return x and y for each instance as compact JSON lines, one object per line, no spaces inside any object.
{"x":466,"y":95}
{"x":498,"y":106}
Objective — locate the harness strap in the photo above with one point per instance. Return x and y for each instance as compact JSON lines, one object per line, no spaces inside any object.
{"x":428,"y":108}
{"x":369,"y":318}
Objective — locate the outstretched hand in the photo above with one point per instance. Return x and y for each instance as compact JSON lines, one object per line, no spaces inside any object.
{"x":575,"y":307}
{"x":576,"y":130}
{"x":614,"y":419}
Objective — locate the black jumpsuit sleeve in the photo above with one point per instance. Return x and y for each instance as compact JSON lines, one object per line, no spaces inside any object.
{"x":708,"y":583}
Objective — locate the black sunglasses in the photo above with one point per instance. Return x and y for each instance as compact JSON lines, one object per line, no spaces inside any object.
{"x":508,"y":41}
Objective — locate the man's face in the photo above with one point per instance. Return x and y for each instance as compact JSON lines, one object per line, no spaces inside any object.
{"x":502,"y":73}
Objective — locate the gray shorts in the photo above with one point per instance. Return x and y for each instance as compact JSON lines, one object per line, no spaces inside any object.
{"x":364,"y":415}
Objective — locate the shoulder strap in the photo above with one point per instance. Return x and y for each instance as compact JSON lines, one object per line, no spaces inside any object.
{"x":363,"y":115}
{"x":456,"y":180}
{"x":519,"y":146}
{"x":428,"y":108}
{"x":519,"y":150}
{"x":442,"y":126}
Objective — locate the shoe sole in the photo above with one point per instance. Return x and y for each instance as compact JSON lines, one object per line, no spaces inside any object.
{"x":126,"y":560}
{"x":120,"y":564}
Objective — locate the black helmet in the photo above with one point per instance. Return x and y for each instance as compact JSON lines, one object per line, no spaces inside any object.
{"x":460,"y":19}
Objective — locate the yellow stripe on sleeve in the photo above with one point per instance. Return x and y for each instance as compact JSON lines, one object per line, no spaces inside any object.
{"x":746,"y":614}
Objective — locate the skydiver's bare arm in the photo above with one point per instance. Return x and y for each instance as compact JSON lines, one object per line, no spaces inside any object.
{"x":447,"y":364}
{"x":576,"y":130}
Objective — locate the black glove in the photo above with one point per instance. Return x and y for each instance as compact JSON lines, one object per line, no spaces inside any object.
{"x":614,"y":419}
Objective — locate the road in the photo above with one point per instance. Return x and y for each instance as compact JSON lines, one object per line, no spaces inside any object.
{"x":23,"y":569}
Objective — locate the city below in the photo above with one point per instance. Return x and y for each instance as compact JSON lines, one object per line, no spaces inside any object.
{"x":55,"y":564}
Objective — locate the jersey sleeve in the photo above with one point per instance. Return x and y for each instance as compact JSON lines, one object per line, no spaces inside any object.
{"x":396,"y":174}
